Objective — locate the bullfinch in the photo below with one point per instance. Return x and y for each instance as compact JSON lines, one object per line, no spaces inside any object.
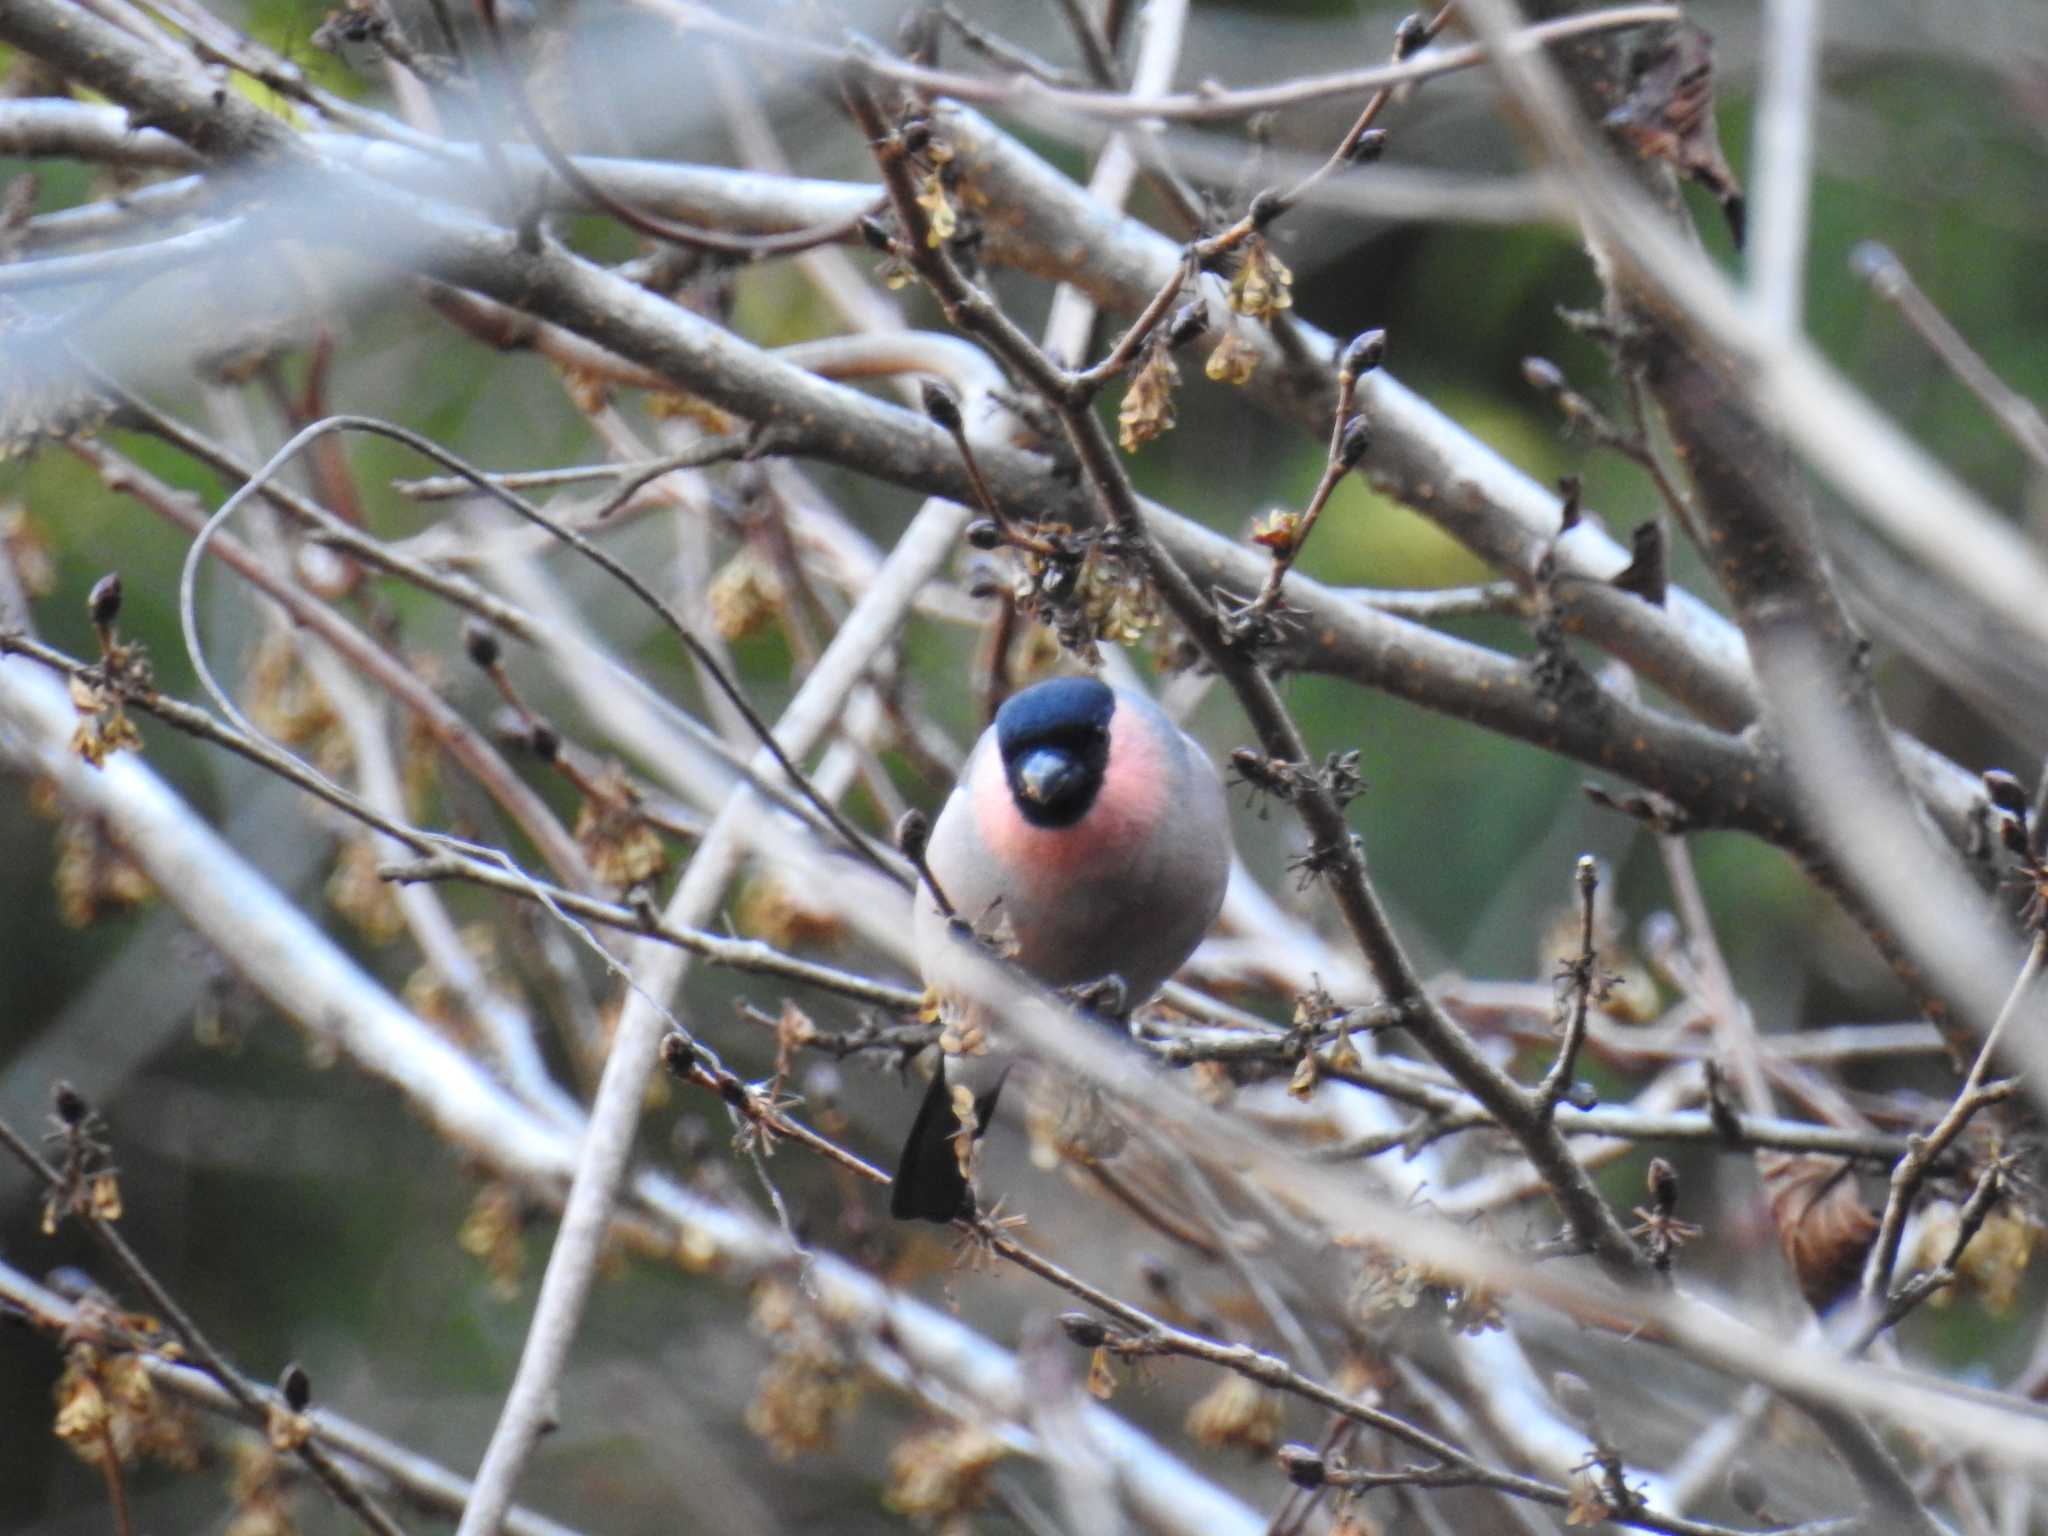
{"x":1088,"y":838}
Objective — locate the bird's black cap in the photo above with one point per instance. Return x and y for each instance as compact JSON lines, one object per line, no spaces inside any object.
{"x":1054,"y":737}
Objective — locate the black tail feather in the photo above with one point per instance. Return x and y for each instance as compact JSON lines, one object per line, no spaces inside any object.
{"x":929,"y":1185}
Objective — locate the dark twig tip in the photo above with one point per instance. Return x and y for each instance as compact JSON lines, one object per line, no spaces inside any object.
{"x":2013,"y":833}
{"x":1371,"y":145}
{"x":1540,"y":373}
{"x":1188,"y":322}
{"x":480,"y":642}
{"x":545,"y":740}
{"x":877,"y":236}
{"x":1663,"y":1185}
{"x":104,"y":603}
{"x":70,"y":1104}
{"x":1576,"y":1398}
{"x":2006,"y":792}
{"x":1080,"y":1328}
{"x":1352,"y":443}
{"x":1874,"y":264}
{"x":941,"y":405}
{"x":1366,"y":351}
{"x":1304,"y":1468}
{"x":1573,"y":491}
{"x":1266,"y":207}
{"x":296,"y":1387}
{"x":679,"y":1054}
{"x":1746,"y":1491}
{"x":984,"y":533}
{"x":913,"y":831}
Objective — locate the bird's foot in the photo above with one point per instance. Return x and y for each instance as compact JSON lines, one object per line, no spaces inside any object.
{"x":1107,"y":998}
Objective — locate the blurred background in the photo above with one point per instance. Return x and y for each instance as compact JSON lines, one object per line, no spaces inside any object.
{"x":297,"y":1209}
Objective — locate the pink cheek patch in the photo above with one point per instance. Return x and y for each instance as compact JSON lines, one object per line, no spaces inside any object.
{"x":1130,"y":803}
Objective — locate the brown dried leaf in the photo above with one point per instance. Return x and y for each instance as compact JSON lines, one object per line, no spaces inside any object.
{"x":1277,"y":531}
{"x":1823,"y":1225}
{"x":1668,"y":114}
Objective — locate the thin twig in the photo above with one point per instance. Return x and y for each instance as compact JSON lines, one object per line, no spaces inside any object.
{"x":1974,"y":1095}
{"x":1890,"y":281}
{"x":253,"y":1400}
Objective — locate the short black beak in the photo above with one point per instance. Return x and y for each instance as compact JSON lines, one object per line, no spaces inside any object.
{"x":1045,"y":775}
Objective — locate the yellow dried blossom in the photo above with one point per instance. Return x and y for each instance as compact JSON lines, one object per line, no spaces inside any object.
{"x":103,"y":725}
{"x":939,"y":1475}
{"x":1237,"y":1412}
{"x":1589,"y":1499}
{"x":283,"y":699}
{"x":775,"y":911}
{"x":94,"y":875}
{"x":262,"y":1497}
{"x":104,"y":1195}
{"x":1233,"y":360}
{"x":1262,"y":286}
{"x":589,"y":391}
{"x":368,"y":902}
{"x":1993,"y":1264}
{"x":1998,"y":1256}
{"x":492,"y":1232}
{"x":674,"y":405}
{"x":285,"y":1430}
{"x":1307,"y":1073}
{"x":941,"y":220}
{"x":1070,"y":1121}
{"x":84,"y":1417}
{"x":1101,"y":1379}
{"x":1117,"y":600}
{"x":697,"y":1251}
{"x":623,"y":849}
{"x":800,"y":1401}
{"x":27,"y":544}
{"x":1147,"y":409}
{"x":108,"y":1404}
{"x":744,"y":597}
